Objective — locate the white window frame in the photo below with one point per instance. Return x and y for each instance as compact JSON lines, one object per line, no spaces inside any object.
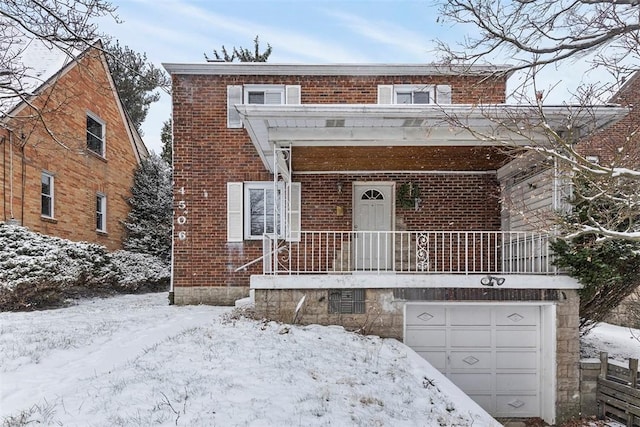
{"x":277,"y":89}
{"x":260,"y":185}
{"x":101,"y":213}
{"x":101,"y":137}
{"x":412,"y":89}
{"x":239,"y":94}
{"x":51,"y":194}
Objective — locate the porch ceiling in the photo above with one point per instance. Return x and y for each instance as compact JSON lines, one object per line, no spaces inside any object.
{"x":473,"y":132}
{"x":395,"y":158}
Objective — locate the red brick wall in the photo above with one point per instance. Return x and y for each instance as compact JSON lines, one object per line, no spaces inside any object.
{"x":78,"y":174}
{"x":449,"y":202}
{"x":619,"y":144}
{"x":207,"y":155}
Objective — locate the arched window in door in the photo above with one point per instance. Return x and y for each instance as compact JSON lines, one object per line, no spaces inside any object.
{"x":372,"y":195}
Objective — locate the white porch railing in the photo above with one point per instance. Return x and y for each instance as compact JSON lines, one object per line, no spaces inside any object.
{"x":414,"y":252}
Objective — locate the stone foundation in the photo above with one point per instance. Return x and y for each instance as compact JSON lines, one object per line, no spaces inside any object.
{"x":383,"y":316}
{"x":210,"y":295}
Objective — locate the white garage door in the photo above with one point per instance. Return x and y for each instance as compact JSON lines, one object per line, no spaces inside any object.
{"x":492,"y":352}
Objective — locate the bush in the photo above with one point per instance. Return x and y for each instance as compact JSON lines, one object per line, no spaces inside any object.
{"x":38,"y":271}
{"x":607,"y":270}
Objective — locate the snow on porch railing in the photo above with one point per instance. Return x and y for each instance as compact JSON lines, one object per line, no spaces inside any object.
{"x":421,"y":252}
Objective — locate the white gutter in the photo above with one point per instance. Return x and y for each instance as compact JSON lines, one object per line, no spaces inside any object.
{"x":270,"y":69}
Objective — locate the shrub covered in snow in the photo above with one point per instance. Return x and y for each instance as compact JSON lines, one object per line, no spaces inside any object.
{"x":39,"y":271}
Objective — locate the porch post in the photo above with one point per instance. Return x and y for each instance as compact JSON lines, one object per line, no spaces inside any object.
{"x":281,"y":196}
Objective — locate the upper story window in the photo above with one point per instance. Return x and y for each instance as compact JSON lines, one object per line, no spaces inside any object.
{"x":417,"y":96}
{"x":95,"y":134}
{"x":414,"y":94}
{"x":46,"y":195}
{"x":258,"y":94}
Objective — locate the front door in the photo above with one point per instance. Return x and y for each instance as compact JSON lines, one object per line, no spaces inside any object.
{"x":372,"y":222}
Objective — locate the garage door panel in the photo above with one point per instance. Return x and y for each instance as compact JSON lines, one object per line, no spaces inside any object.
{"x":438,"y":359}
{"x":478,"y":338}
{"x":517,"y":405}
{"x":470,"y":316}
{"x":425,"y":337}
{"x":517,"y":359}
{"x":523,"y":316}
{"x":511,"y":382}
{"x":485,"y":400}
{"x":425,"y":315}
{"x":472,"y":381}
{"x":517,"y":338}
{"x":470,"y":360}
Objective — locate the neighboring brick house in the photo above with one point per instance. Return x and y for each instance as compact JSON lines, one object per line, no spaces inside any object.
{"x":619,"y":146}
{"x":370,"y":196}
{"x":69,"y":151}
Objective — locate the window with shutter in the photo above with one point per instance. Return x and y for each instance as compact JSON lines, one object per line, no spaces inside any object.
{"x":414,"y":94}
{"x":251,"y":213}
{"x":258,"y":94}
{"x":264,"y":94}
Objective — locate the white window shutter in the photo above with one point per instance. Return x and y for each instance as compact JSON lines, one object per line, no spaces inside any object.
{"x":235,"y":197}
{"x":295,"y":213}
{"x":234,"y":96}
{"x":443,"y":94}
{"x":385,"y":94}
{"x":292,"y":93}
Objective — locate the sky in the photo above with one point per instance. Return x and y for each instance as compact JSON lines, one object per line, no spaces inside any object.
{"x":300,"y":31}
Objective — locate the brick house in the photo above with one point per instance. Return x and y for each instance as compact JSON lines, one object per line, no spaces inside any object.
{"x":69,"y":150}
{"x":371,"y":196}
{"x":619,"y":146}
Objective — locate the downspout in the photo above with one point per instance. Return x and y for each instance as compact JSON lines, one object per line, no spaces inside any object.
{"x":11,"y":175}
{"x":24,"y":178}
{"x":173,"y":227}
{"x":4,"y":178}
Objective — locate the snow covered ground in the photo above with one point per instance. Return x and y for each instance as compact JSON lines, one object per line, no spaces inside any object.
{"x":133,"y":360}
{"x":619,"y":342}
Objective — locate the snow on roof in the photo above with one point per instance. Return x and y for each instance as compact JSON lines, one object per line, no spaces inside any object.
{"x":27,"y":64}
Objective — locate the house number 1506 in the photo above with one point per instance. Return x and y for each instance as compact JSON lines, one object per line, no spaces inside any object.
{"x":182,"y":218}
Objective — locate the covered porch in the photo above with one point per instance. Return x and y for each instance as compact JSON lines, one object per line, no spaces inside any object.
{"x":378,"y":143}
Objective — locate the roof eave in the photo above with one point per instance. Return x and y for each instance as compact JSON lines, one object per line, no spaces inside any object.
{"x":270,"y":69}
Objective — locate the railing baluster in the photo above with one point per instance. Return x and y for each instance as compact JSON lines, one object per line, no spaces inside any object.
{"x":450,"y":252}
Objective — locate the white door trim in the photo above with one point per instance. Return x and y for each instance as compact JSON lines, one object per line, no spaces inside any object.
{"x":389,"y":184}
{"x":373,"y":251}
